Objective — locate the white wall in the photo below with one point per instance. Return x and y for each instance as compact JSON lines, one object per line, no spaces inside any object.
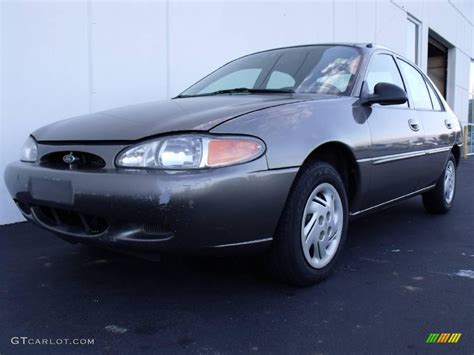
{"x":45,"y":74}
{"x":65,"y":58}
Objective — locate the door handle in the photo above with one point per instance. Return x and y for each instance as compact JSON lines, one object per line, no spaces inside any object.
{"x":448,"y":123}
{"x":414,"y":125}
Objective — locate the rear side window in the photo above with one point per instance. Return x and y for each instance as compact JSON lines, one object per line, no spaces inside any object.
{"x":434,"y":98}
{"x":383,"y":70}
{"x":416,"y":86}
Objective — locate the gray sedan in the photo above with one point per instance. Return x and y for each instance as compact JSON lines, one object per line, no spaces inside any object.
{"x":272,"y":152}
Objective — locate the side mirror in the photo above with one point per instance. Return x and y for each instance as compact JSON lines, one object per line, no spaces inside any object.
{"x":384,"y":94}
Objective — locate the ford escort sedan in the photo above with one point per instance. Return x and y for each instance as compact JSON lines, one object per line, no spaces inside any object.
{"x":272,"y":152}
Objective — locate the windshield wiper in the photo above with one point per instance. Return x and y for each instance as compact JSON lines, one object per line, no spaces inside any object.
{"x":241,"y":91}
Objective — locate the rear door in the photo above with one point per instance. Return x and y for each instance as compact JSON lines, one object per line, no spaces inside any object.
{"x":397,"y":137}
{"x":437,"y":125}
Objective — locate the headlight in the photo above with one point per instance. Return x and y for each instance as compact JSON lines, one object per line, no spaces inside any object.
{"x":29,"y":152}
{"x":191,"y":152}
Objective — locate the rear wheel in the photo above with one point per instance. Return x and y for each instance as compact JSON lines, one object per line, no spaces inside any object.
{"x":312,"y":228}
{"x":441,"y":198}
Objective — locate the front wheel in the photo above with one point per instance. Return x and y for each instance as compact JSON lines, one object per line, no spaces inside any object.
{"x":441,"y":198}
{"x":313,"y":226}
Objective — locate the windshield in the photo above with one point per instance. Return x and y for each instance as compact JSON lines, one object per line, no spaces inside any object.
{"x":310,"y":69}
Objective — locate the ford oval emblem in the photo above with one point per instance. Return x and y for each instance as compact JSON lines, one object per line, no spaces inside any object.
{"x":69,"y":158}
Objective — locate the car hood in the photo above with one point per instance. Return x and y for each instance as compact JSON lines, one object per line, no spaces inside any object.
{"x":149,"y":119}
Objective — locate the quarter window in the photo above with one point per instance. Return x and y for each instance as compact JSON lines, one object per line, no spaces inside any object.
{"x":383,"y":70}
{"x":416,"y":86}
{"x":434,"y":98}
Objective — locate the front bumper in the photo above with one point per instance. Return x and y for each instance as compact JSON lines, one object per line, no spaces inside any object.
{"x":169,"y":211}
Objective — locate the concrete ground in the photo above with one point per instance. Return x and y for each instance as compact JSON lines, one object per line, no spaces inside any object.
{"x":403,"y":274}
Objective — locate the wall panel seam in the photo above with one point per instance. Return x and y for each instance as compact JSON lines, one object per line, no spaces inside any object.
{"x":460,"y":13}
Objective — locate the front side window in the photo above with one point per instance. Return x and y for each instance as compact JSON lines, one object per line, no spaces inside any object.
{"x":321,"y":69}
{"x":416,"y":86}
{"x":383,"y":70}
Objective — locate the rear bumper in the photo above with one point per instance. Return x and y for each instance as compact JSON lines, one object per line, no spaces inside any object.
{"x":182,"y":211}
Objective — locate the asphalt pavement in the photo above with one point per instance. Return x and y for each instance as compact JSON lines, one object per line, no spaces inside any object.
{"x":403,"y":275}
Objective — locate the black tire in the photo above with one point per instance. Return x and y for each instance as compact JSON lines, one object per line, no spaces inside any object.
{"x":435,"y":201}
{"x":286,"y":259}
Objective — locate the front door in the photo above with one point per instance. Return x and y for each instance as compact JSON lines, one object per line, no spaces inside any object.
{"x":397,"y":138}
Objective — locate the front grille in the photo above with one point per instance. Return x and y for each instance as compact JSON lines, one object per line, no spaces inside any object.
{"x":77,"y":160}
{"x":70,"y":221}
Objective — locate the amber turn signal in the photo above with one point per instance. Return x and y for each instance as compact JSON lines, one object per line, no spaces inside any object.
{"x":230,"y":151}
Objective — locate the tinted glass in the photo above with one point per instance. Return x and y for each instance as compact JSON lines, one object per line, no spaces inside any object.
{"x":416,"y":86}
{"x":239,"y":78}
{"x":434,"y":98}
{"x":384,"y":70}
{"x":279,"y":80}
{"x":315,"y":69}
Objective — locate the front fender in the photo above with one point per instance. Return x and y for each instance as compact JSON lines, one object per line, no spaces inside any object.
{"x":293,"y":131}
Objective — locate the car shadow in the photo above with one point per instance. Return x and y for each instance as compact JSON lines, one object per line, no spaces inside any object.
{"x":169,"y":305}
{"x":94,"y":267}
